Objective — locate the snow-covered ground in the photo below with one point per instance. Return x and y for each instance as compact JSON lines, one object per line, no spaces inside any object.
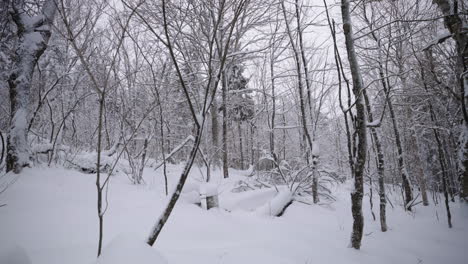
{"x":51,"y":217}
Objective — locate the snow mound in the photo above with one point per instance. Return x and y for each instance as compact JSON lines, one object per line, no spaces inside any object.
{"x":277,"y":205}
{"x":192,"y":197}
{"x":248,"y":200}
{"x":128,"y":249}
{"x":86,"y":162}
{"x":14,"y":255}
{"x":209,"y":189}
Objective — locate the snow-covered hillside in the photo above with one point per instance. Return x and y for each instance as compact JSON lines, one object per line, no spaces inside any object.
{"x":51,"y":218}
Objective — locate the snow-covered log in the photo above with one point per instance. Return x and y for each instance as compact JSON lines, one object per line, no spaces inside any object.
{"x":86,"y":162}
{"x":277,"y":205}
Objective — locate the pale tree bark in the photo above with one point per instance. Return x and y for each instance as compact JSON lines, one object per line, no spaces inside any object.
{"x":315,"y":158}
{"x":380,"y":165}
{"x":100,"y":86}
{"x":408,"y":194}
{"x":418,"y":166}
{"x":300,"y":85}
{"x":438,"y":141}
{"x":361,"y":131}
{"x":33,"y":35}
{"x":274,"y":45}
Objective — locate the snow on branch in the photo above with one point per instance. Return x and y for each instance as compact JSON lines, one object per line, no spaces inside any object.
{"x":440,"y":38}
{"x":175,"y":150}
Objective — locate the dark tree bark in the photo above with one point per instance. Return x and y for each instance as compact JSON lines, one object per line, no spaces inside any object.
{"x":361,"y":131}
{"x":225,"y":141}
{"x":98,"y":173}
{"x":442,"y":166}
{"x":273,"y":101}
{"x":2,"y":154}
{"x":241,"y":143}
{"x":215,"y":135}
{"x":456,"y":24}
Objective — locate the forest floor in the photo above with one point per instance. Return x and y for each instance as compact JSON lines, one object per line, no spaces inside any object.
{"x":51,"y":214}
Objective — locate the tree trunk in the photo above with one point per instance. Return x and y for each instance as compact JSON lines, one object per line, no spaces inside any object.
{"x":143,"y":160}
{"x":401,"y":162}
{"x":357,"y":194}
{"x":413,"y":144}
{"x":444,"y":172}
{"x":241,"y":148}
{"x":299,"y":84}
{"x":380,"y":165}
{"x":273,"y":114}
{"x":32,"y":42}
{"x":214,"y":135}
{"x":98,"y":173}
{"x":225,"y":146}
{"x":456,"y":24}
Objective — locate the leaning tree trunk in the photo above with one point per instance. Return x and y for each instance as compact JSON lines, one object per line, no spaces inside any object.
{"x":358,"y":193}
{"x":33,"y":36}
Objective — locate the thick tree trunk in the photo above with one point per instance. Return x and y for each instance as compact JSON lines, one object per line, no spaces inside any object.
{"x":32,"y":43}
{"x":358,"y":193}
{"x":456,"y":24}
